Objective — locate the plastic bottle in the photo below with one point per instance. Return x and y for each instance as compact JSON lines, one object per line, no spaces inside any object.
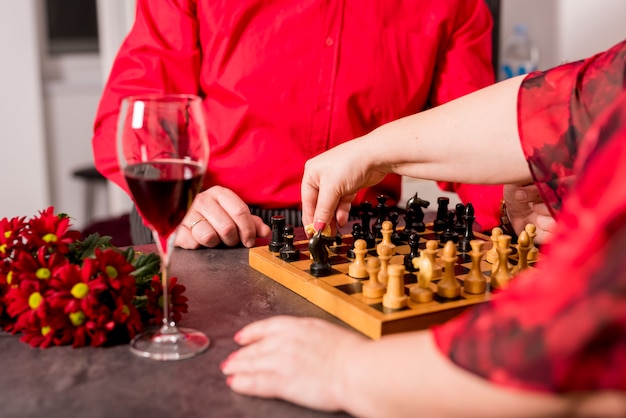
{"x":520,"y":54}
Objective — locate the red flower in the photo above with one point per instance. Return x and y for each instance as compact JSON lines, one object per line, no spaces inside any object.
{"x":56,"y":293}
{"x":51,"y":231}
{"x":117,"y":271}
{"x":178,"y":302}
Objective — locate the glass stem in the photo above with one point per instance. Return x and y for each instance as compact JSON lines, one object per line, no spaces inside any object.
{"x":166,"y":247}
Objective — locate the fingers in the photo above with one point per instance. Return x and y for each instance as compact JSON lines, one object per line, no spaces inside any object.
{"x":217,"y":216}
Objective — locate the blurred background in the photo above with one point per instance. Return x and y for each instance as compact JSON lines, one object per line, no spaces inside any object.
{"x":56,"y":55}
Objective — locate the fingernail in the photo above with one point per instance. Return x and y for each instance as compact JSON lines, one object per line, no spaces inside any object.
{"x":223,"y":364}
{"x":237,"y":336}
{"x":229,"y":380}
{"x":521,"y":195}
{"x":319,"y":225}
{"x":249,"y":243}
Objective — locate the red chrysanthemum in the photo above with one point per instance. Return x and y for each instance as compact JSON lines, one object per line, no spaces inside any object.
{"x":178,"y":302}
{"x":51,"y":231}
{"x":56,"y":293}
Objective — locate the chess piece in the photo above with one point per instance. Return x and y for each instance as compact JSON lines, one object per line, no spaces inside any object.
{"x":492,"y":254}
{"x":449,"y":234}
{"x":288,"y":251}
{"x":414,"y":241}
{"x":459,"y":224}
{"x":417,"y":204}
{"x":366,"y":216}
{"x":395,"y":236}
{"x":500,"y":278}
{"x":277,"y":222}
{"x":422,"y":293}
{"x":441,"y":219}
{"x":395,"y":298}
{"x":408,"y":224}
{"x":533,"y":252}
{"x":386,"y":231}
{"x":373,"y":288}
{"x":357,"y":233}
{"x":381,"y":211}
{"x":320,"y":266}
{"x":357,"y":268}
{"x":431,"y":253}
{"x":384,"y":255}
{"x":468,"y":233}
{"x":449,"y":287}
{"x":523,"y":247}
{"x":475,"y":282}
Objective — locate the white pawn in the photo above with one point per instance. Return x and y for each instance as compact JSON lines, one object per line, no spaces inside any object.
{"x":384,"y":255}
{"x":533,"y":252}
{"x":357,"y":268}
{"x":395,"y":298}
{"x":373,"y":288}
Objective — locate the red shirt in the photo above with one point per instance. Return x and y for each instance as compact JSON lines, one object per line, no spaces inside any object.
{"x":285,"y":80}
{"x":562,"y":327}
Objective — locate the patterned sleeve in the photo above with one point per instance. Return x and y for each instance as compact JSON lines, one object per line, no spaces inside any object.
{"x":574,"y":337}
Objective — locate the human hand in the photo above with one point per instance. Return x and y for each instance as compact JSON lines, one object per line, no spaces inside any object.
{"x":216,"y":216}
{"x":300,"y":360}
{"x":331,"y":180}
{"x":524,"y":205}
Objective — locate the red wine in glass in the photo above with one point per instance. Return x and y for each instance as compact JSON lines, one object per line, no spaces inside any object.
{"x":164,"y":191}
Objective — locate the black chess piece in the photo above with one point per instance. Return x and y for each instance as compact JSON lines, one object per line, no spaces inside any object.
{"x":414,"y":241}
{"x":288,"y":251}
{"x":366,"y":217}
{"x":441,"y":220}
{"x":277,"y":222}
{"x":395,"y":235}
{"x":381,"y":212}
{"x":408,"y":224}
{"x":468,"y":234}
{"x":449,"y":234}
{"x":418,"y":204}
{"x":459,"y":225}
{"x":320,"y":266}
{"x":357,"y":233}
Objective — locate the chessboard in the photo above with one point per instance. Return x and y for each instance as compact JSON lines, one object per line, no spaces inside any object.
{"x":342,"y":295}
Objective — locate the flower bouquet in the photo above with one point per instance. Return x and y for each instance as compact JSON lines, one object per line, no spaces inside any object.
{"x":58,"y":290}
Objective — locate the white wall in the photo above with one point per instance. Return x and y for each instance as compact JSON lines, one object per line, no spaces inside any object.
{"x":24,"y":187}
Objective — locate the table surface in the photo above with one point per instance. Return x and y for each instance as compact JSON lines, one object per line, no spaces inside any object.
{"x":224,"y":293}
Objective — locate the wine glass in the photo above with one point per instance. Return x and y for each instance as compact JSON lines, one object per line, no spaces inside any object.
{"x":163,"y":151}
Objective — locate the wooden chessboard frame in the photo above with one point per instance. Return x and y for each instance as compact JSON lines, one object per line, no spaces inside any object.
{"x":356,"y":310}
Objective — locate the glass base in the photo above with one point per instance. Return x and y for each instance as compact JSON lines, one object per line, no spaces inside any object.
{"x":179,"y":344}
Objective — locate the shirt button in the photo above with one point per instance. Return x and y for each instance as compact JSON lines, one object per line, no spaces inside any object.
{"x":329,"y":41}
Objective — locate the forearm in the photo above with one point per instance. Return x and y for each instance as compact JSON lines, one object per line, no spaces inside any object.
{"x":473,"y":139}
{"x":406,"y":375}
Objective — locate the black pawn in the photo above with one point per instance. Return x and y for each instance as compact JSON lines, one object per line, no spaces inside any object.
{"x":395,"y":236}
{"x":468,"y":234}
{"x":381,"y":212}
{"x":289,"y":252}
{"x":459,"y":225}
{"x":277,"y":222}
{"x":449,"y":234}
{"x":441,"y":220}
{"x":357,"y":233}
{"x":414,"y":242}
{"x":408,"y":224}
{"x":366,"y":217}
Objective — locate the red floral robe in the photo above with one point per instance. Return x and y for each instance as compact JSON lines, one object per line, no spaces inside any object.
{"x":562,"y":326}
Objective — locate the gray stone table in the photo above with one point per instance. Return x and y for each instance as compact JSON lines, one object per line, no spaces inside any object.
{"x":224,"y":293}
